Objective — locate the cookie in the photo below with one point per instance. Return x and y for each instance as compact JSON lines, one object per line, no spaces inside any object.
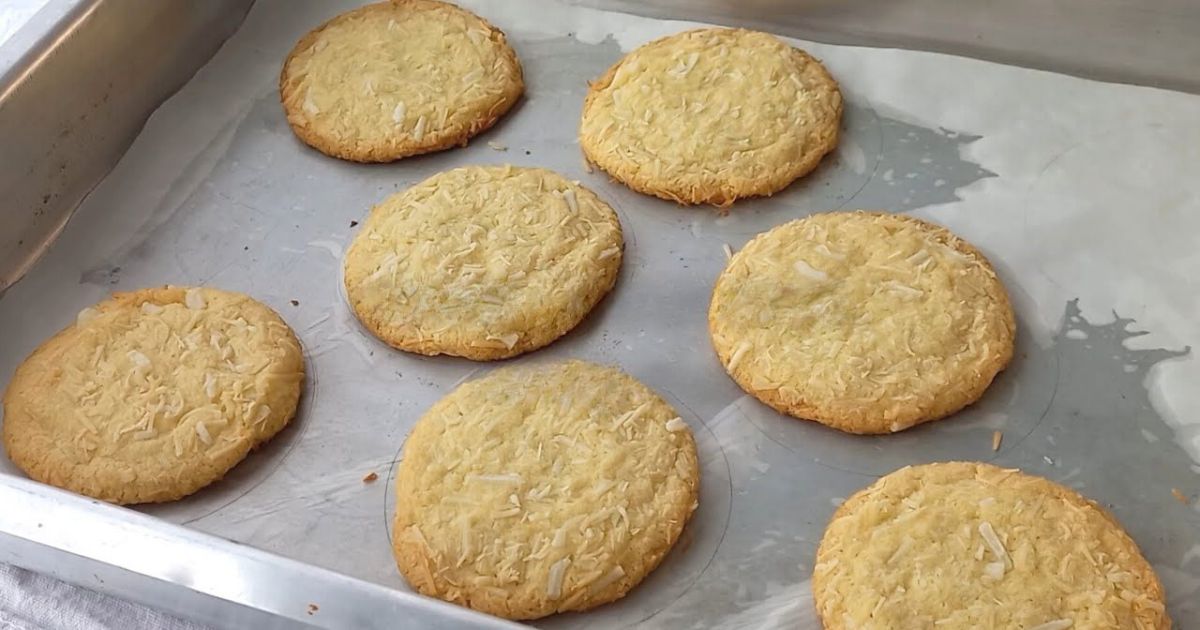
{"x":394,"y":79}
{"x":542,"y":489}
{"x":969,"y":545}
{"x":865,"y":322}
{"x":483,"y":262}
{"x":151,"y":395}
{"x":710,"y":116}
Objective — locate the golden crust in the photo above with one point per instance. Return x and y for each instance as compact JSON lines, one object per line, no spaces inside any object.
{"x":394,"y":79}
{"x":483,"y":262}
{"x":909,"y":551}
{"x":153,"y":394}
{"x":711,"y":115}
{"x":569,"y":465}
{"x":865,"y":322}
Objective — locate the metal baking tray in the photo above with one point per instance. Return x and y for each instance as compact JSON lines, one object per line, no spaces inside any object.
{"x":216,"y":191}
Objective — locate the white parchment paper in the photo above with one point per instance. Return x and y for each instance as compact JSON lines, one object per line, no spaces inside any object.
{"x":1084,"y":195}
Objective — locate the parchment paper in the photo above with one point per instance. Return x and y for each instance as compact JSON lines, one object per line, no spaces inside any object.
{"x":1084,"y":195}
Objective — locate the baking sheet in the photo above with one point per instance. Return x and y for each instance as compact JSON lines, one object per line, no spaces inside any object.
{"x":1083,"y":194}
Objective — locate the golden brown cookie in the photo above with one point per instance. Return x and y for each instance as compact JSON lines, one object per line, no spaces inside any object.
{"x":542,"y":489}
{"x":965,"y":545}
{"x":152,"y":395}
{"x":710,"y":116}
{"x":866,"y":322}
{"x":400,"y":78}
{"x":483,"y":262}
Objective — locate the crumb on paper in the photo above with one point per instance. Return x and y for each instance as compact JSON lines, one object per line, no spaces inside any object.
{"x":997,"y":438}
{"x":295,"y":302}
{"x":371,"y":477}
{"x":1180,"y":496}
{"x":497,"y":146}
{"x":312,"y":608}
{"x":353,"y":223}
{"x":528,"y":152}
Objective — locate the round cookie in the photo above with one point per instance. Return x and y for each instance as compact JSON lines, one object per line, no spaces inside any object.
{"x":483,"y":262}
{"x":710,"y":116}
{"x":542,"y":489}
{"x":865,"y":322}
{"x":967,"y":545}
{"x":152,"y":395}
{"x":400,"y":78}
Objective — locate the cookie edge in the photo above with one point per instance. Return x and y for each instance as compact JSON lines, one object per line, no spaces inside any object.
{"x":778,"y":180}
{"x":411,"y":556}
{"x":41,"y":470}
{"x":819,"y":586}
{"x":865,"y":424}
{"x":534,"y":339}
{"x":377,"y":153}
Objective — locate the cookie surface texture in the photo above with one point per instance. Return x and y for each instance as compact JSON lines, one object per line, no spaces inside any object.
{"x":483,"y":262}
{"x":711,"y":115}
{"x":153,"y":394}
{"x":542,"y":489}
{"x":395,"y":79}
{"x":964,"y":545}
{"x":862,"y":321}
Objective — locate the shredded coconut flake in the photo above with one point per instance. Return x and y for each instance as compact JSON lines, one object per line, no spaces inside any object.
{"x":728,"y":251}
{"x":609,"y":253}
{"x":612,"y":576}
{"x":554,"y":583}
{"x":497,"y":146}
{"x":902,"y":288}
{"x":398,"y":113}
{"x":993,"y":542}
{"x":919,"y":257}
{"x":508,"y":339}
{"x":738,"y":353}
{"x":418,"y":131}
{"x":150,"y":308}
{"x":202,"y":433}
{"x":210,"y":385}
{"x":86,"y":314}
{"x":685,"y":66}
{"x":676,"y":424}
{"x":309,"y":105}
{"x":824,"y":250}
{"x":140,"y":361}
{"x":994,"y":570}
{"x":572,"y":203}
{"x":1057,"y":624}
{"x":950,"y":252}
{"x":810,"y":272}
{"x":145,"y":434}
{"x":194,"y":299}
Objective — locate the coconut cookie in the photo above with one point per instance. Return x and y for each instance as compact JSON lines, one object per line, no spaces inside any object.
{"x":395,"y":79}
{"x":862,"y":321}
{"x":967,"y":545}
{"x":544,"y":489}
{"x":483,"y":262}
{"x":152,"y":395}
{"x":710,"y":116}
